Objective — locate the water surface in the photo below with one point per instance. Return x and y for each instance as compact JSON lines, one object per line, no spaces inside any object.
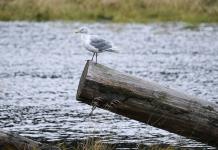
{"x":41,"y":64}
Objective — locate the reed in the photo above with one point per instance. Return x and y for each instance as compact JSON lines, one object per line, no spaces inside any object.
{"x":111,"y":10}
{"x":89,"y":144}
{"x":97,"y":144}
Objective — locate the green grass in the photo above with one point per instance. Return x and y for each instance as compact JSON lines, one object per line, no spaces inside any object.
{"x":193,"y":11}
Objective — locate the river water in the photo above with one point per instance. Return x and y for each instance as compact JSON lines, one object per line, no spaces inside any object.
{"x":41,"y":64}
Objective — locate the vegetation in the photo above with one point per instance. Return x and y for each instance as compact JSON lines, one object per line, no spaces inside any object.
{"x":89,"y":144}
{"x":97,"y":144}
{"x":193,"y":11}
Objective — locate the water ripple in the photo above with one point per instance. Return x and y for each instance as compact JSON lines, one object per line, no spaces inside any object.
{"x":41,"y":63}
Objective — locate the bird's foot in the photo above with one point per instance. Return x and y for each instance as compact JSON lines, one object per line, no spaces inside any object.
{"x":91,"y":60}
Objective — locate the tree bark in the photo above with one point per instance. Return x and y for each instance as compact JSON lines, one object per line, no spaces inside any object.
{"x":149,"y":102}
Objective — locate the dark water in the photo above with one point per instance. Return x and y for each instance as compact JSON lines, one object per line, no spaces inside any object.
{"x":41,"y":63}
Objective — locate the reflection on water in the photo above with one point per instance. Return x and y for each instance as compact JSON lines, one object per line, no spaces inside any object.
{"x":41,"y":63}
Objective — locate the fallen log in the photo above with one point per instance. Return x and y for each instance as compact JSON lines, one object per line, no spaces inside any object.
{"x":11,"y":141}
{"x":149,"y":102}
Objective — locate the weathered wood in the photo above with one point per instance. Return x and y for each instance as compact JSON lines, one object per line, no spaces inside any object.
{"x":149,"y":103}
{"x":10,"y":141}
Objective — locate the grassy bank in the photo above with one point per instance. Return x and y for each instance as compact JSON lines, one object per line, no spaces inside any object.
{"x":193,"y":11}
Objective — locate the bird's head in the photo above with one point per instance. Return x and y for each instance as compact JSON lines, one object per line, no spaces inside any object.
{"x":83,"y":30}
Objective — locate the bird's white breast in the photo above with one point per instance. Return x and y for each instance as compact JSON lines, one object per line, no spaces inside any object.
{"x":86,"y":43}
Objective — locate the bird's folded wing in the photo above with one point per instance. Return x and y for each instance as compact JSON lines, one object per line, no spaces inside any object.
{"x":100,"y":44}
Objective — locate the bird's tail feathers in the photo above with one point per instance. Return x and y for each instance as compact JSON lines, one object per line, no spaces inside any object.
{"x":111,"y":50}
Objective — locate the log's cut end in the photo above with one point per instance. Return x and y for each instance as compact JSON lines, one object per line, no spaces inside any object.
{"x":149,"y":102}
{"x":82,"y":82}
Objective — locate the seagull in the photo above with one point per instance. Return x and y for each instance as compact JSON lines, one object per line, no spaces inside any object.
{"x":95,"y":44}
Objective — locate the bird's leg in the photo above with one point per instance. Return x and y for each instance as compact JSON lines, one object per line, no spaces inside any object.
{"x":96,"y":57}
{"x":93,"y":56}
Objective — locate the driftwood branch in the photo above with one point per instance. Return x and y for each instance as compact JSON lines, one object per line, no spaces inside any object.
{"x":11,"y":141}
{"x":149,"y":103}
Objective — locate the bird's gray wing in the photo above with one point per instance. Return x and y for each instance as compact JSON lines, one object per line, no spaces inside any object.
{"x":100,"y":44}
